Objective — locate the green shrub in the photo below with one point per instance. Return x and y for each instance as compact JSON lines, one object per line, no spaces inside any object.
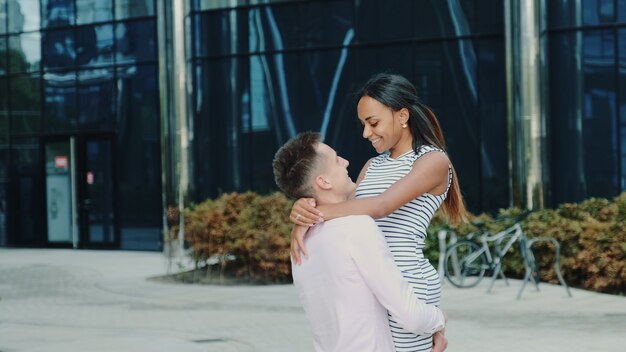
{"x":244,"y":234}
{"x":592,"y":236}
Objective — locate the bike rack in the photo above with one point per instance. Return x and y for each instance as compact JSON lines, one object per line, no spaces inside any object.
{"x":530,"y":266}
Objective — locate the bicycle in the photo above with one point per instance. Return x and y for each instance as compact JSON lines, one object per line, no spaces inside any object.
{"x":466,"y":261}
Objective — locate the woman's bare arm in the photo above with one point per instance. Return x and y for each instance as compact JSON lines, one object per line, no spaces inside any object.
{"x":304,"y":211}
{"x":429,"y":174}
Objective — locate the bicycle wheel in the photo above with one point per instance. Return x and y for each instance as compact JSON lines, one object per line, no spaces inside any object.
{"x":465,"y":264}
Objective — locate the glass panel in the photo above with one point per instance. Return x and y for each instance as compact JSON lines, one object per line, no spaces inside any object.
{"x":494,"y":157}
{"x":135,"y":41}
{"x":139,"y":167}
{"x":218,"y":4}
{"x":23,"y":15}
{"x":273,"y":28}
{"x":59,"y":192}
{"x":4,"y":111}
{"x":4,"y":65}
{"x":60,"y":107}
{"x":320,"y":29}
{"x":3,"y":16}
{"x":4,"y":202}
{"x":564,"y":13}
{"x":622,"y":100}
{"x":95,"y":45}
{"x":598,"y":11}
{"x":441,"y":68}
{"x":25,"y":99}
{"x":599,"y":114}
{"x":96,"y":98}
{"x":133,"y":8}
{"x":223,"y":32}
{"x":98,"y":197}
{"x":370,"y":60}
{"x":90,"y":11}
{"x":57,"y":13}
{"x":621,"y":10}
{"x":219,"y":95}
{"x":584,"y":114}
{"x":374,"y":16}
{"x":489,"y":16}
{"x":59,"y":49}
{"x":25,"y":52}
{"x":26,"y":192}
{"x":566,"y":118}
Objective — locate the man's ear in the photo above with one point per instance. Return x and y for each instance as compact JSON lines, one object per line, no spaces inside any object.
{"x":322,"y":182}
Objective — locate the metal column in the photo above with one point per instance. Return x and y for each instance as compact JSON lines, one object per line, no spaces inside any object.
{"x":176,"y":164}
{"x":528,"y":162}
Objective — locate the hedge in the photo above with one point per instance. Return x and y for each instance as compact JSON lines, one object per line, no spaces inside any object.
{"x":246,"y":236}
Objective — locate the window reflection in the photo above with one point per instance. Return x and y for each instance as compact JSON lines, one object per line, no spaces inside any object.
{"x":23,"y":15}
{"x":135,"y":41}
{"x":60,"y":100}
{"x":3,"y":16}
{"x":133,"y":8}
{"x":96,"y":94}
{"x":220,"y":4}
{"x":4,"y":65}
{"x":59,"y":49}
{"x":223,"y":32}
{"x":90,"y":11}
{"x":325,"y":23}
{"x":275,"y":28}
{"x":95,"y":45}
{"x":24,"y":52}
{"x":25,"y":98}
{"x":57,"y":13}
{"x":4,"y":99}
{"x":599,"y":113}
{"x":598,"y":11}
{"x":257,"y":97}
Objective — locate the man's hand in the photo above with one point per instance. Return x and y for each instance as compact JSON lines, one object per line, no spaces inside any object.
{"x":440,"y":343}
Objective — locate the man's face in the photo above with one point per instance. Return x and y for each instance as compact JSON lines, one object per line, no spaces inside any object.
{"x":335,"y":168}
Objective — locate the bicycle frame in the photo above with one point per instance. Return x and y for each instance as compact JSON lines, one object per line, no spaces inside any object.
{"x":503,"y":241}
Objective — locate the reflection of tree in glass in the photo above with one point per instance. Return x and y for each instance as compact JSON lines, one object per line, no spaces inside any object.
{"x":17,"y":60}
{"x":15,"y":16}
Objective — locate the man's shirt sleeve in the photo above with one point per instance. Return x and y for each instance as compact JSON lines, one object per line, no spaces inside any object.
{"x":375,"y":263}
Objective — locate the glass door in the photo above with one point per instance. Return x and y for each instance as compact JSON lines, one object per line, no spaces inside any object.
{"x":60,"y":193}
{"x":80,"y":192}
{"x":98,"y":225}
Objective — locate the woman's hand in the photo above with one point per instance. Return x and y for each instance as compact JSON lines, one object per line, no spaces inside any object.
{"x":304,"y":213}
{"x":297,"y":243}
{"x":440,"y":343}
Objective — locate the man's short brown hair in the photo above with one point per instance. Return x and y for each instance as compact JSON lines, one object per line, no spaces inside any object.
{"x":294,"y":164}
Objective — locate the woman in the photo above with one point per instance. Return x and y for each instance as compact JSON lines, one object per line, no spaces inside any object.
{"x":401,"y":188}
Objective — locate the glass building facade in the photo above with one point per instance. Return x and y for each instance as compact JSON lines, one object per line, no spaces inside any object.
{"x":89,"y":143}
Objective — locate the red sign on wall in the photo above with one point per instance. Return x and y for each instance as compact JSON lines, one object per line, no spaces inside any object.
{"x":60,"y":162}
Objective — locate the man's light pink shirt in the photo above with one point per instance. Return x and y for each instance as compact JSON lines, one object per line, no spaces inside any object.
{"x":348,"y":284}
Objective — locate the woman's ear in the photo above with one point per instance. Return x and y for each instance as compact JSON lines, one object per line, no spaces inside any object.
{"x":404,"y":115}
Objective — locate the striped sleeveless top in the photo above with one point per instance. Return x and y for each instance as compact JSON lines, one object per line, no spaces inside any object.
{"x":405,"y":233}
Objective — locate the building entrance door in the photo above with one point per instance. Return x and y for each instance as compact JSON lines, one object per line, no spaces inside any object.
{"x":80,"y":192}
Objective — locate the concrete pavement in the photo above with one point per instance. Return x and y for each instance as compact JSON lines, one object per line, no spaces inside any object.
{"x":68,"y":300}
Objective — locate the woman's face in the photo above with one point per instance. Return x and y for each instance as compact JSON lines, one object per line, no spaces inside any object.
{"x":381,"y":125}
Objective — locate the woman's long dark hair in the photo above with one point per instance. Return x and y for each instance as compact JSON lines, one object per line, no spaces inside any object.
{"x":396,"y":92}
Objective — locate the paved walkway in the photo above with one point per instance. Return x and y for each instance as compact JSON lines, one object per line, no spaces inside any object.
{"x":67,"y":300}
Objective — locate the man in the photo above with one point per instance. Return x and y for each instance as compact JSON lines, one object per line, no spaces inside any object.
{"x":350,"y":280}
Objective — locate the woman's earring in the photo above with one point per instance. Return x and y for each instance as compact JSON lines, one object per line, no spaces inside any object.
{"x":405,"y":125}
